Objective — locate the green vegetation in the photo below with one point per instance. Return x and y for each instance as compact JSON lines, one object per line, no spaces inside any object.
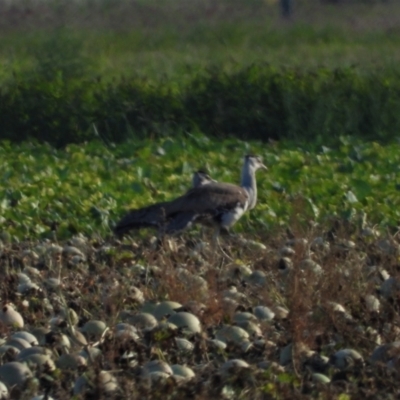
{"x":86,"y":188}
{"x":279,"y":317}
{"x":232,"y":68}
{"x":255,"y":103}
{"x":170,"y":39}
{"x":108,"y":105}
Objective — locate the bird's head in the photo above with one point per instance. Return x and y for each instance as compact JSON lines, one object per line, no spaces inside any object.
{"x":254,"y":162}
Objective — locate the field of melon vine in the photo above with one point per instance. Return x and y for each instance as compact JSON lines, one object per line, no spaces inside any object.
{"x":87,"y":188}
{"x":302,"y":303}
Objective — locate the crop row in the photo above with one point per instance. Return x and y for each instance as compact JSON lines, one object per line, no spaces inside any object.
{"x":87,"y":188}
{"x":260,"y":102}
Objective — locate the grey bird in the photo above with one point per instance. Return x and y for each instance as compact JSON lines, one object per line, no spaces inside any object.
{"x":201,"y":178}
{"x":211,"y":203}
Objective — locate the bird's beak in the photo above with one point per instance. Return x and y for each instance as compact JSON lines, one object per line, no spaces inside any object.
{"x":264,"y":167}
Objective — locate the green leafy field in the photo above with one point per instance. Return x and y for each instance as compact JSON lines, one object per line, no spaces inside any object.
{"x":170,"y":39}
{"x":87,"y":188}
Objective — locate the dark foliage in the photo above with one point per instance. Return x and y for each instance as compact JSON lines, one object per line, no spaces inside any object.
{"x":260,"y":102}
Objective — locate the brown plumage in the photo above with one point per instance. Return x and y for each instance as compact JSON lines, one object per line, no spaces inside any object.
{"x":194,"y":206}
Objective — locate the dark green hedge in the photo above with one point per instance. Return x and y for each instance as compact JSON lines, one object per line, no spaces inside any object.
{"x":255,"y":103}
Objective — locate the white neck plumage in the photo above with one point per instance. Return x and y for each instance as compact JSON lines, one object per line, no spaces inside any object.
{"x":249,"y":184}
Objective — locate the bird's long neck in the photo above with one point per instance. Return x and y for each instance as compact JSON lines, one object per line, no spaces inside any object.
{"x":249,"y":184}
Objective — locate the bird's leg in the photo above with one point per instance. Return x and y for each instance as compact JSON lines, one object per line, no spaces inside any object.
{"x":160,"y":241}
{"x":215,"y":243}
{"x":202,"y":234}
{"x":227,"y":233}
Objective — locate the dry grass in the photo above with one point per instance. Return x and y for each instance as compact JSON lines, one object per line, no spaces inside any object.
{"x":327,"y":312}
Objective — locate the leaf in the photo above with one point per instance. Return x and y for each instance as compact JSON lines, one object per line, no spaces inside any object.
{"x":346,"y":167}
{"x":139,"y":172}
{"x":286,"y":378}
{"x":314,"y":208}
{"x":35,"y":204}
{"x":4,"y":204}
{"x":269,"y":388}
{"x":326,"y":149}
{"x":125,"y":256}
{"x":271,"y":213}
{"x":362,"y":187}
{"x":356,"y":154}
{"x":160,"y":151}
{"x":351,"y":197}
{"x":137,"y":187}
{"x":186,"y":169}
{"x":40,"y":229}
{"x":278,"y":187}
{"x":348,"y":214}
{"x":96,"y":213}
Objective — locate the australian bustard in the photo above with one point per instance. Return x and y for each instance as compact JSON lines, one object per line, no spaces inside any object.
{"x":210,"y":203}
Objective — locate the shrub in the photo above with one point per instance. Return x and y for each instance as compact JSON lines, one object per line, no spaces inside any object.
{"x":260,"y":102}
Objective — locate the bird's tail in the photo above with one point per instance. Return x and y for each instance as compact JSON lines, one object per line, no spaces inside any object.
{"x":147,"y":217}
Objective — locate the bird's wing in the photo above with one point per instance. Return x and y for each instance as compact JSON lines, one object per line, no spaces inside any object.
{"x":199,"y":203}
{"x":180,"y":222}
{"x":208,"y":198}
